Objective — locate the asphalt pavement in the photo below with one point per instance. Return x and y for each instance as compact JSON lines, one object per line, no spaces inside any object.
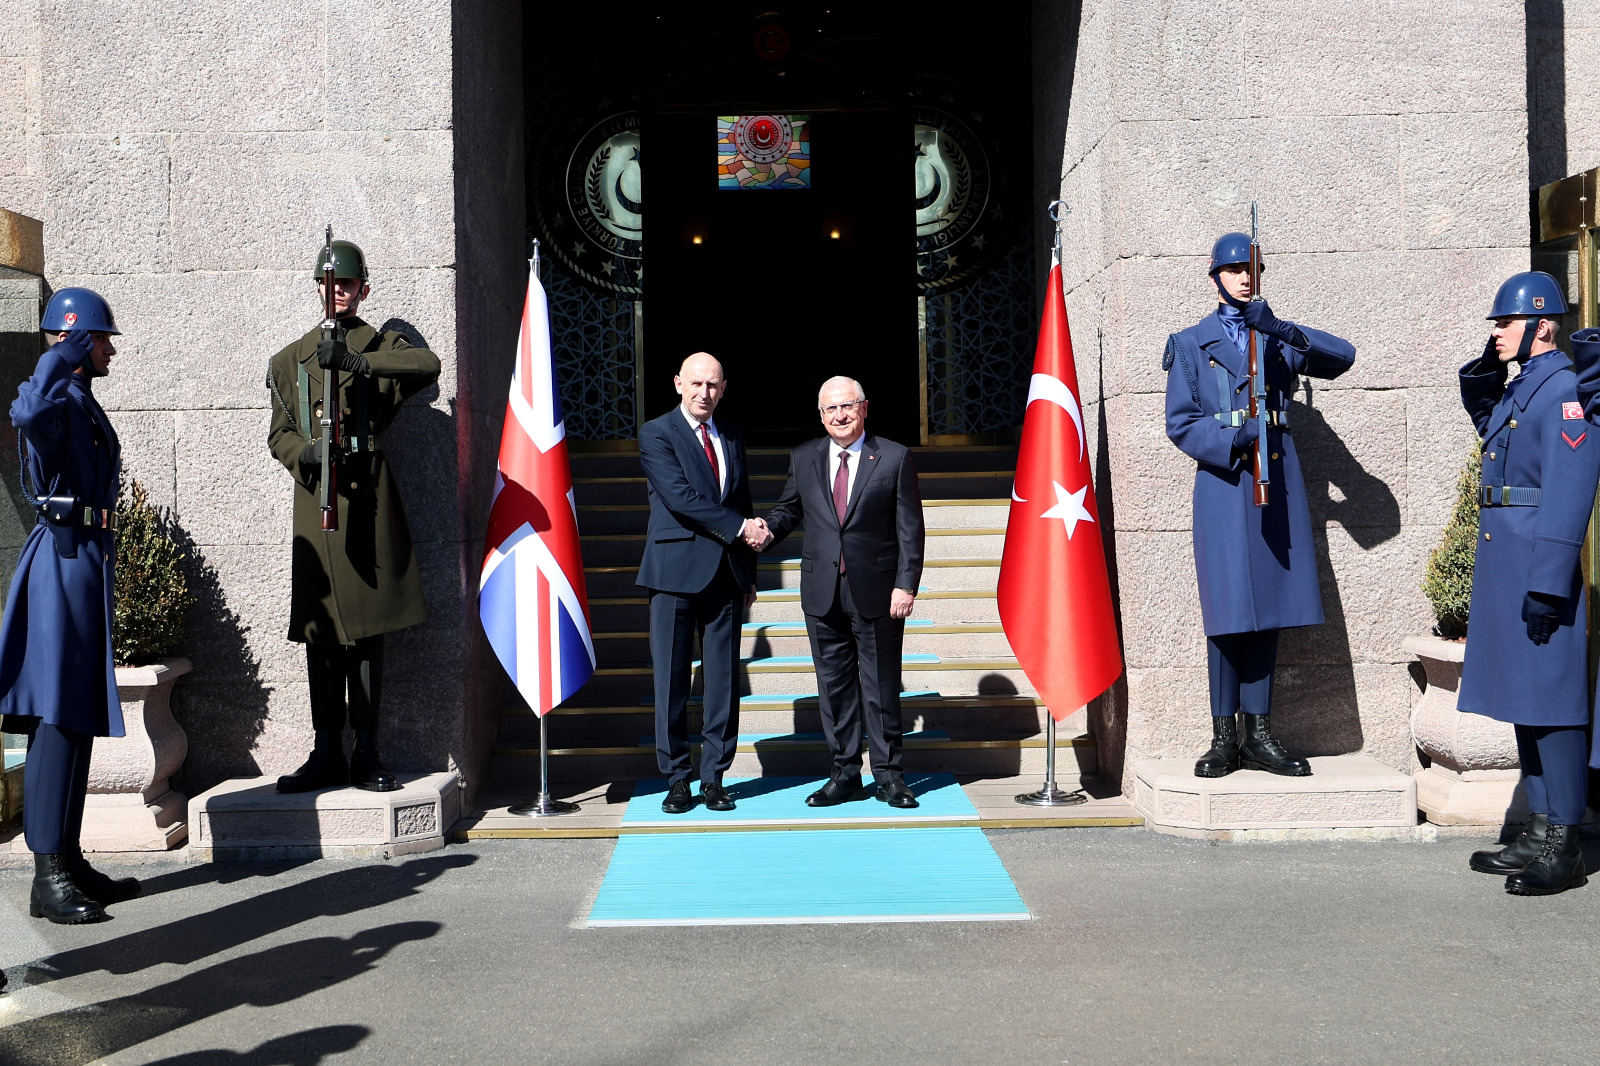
{"x":1143,"y":949}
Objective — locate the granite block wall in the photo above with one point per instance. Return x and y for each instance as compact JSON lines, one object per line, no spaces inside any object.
{"x":184,"y":164}
{"x":1389,"y":155}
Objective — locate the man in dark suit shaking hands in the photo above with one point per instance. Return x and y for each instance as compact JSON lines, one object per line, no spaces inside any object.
{"x":700,"y":570}
{"x":858,"y":583}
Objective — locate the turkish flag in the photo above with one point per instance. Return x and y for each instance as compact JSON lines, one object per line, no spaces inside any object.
{"x":1055,"y":595}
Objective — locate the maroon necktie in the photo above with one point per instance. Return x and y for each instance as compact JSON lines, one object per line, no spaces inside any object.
{"x":841,"y":496}
{"x":711,"y":454}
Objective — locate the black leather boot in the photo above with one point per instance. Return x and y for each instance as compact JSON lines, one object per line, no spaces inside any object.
{"x":325,"y":768}
{"x":1557,"y":867}
{"x":1260,"y":750}
{"x":366,"y":769}
{"x":56,"y":895}
{"x":97,"y":886}
{"x":1514,"y":857}
{"x":1223,"y":758}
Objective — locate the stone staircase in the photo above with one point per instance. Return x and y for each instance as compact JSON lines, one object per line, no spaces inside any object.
{"x":969,"y":710}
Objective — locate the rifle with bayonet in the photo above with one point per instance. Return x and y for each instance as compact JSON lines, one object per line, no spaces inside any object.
{"x":330,"y":394}
{"x":1258,"y":377}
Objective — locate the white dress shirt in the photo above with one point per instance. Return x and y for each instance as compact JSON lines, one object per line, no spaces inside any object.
{"x":716,"y":445}
{"x":834,"y":452}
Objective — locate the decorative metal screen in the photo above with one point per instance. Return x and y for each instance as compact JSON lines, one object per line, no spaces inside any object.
{"x":980,"y":347}
{"x":593,"y":337}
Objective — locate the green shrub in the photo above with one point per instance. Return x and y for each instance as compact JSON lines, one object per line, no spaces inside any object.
{"x":152,"y":595}
{"x":1447,"y":582}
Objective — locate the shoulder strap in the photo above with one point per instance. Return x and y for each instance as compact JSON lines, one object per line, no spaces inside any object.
{"x":302,"y":383}
{"x":1175,"y":353}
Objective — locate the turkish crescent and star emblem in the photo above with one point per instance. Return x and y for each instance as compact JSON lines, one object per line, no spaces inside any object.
{"x":1054,"y":592}
{"x":70,"y":318}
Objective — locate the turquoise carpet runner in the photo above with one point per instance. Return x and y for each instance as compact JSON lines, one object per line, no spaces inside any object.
{"x":909,"y":873}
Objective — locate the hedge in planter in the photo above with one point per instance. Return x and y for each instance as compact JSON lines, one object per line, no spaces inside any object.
{"x":1447,"y":582}
{"x":152,"y":594}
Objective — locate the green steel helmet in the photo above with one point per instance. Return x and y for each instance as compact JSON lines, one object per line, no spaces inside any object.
{"x":348,"y":262}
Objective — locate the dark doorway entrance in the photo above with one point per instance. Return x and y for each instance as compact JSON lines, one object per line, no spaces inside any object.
{"x":786,"y":286}
{"x":622,"y":105}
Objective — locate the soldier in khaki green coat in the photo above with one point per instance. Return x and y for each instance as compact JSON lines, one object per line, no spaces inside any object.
{"x":352,"y":585}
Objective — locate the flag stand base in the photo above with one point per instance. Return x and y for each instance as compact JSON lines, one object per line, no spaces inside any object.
{"x":1050,"y":795}
{"x":545,"y":806}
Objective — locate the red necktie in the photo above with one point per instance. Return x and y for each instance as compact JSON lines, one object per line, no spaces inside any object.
{"x":841,"y":496}
{"x":711,"y":454}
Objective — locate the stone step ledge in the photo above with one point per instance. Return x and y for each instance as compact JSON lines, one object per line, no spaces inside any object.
{"x":247,"y":818}
{"x":1344,"y":792}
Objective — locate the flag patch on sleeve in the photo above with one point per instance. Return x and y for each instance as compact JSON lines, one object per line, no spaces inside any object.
{"x":1572,"y":442}
{"x":1571,"y":409}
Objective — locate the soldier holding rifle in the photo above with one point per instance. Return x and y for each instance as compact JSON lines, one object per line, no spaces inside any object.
{"x":1229,"y":379}
{"x":354,"y":575}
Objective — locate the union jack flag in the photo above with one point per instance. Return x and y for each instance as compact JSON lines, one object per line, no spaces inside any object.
{"x":531,"y":596}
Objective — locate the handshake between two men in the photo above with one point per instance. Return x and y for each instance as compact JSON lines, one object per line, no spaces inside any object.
{"x":758,"y":536}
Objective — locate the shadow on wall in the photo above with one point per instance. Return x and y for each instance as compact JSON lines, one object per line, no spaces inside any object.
{"x":1315,"y":699}
{"x":1108,"y":712}
{"x":222,"y":706}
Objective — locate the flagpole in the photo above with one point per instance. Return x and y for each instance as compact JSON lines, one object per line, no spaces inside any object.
{"x":1050,"y":795}
{"x":545,"y":806}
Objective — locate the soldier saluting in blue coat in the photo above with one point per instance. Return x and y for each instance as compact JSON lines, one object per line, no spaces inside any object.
{"x":1527,"y":646}
{"x":57,"y":683}
{"x":1256,"y":566}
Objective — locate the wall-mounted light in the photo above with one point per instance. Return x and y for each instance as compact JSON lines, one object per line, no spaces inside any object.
{"x":833,"y":234}
{"x":697,"y":239}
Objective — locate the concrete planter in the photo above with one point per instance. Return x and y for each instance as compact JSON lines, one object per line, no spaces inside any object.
{"x":1474,"y":772}
{"x":131,"y":805}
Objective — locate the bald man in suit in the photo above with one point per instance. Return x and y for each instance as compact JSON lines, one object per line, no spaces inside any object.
{"x":700,"y":569}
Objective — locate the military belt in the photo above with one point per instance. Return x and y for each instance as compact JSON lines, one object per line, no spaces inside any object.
{"x":1239,"y":418}
{"x":1508,"y":496}
{"x":66,"y":511}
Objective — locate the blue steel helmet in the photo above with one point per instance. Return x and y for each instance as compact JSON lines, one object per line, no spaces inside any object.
{"x":72,"y":309}
{"x":1530,"y":294}
{"x":1230,"y":249}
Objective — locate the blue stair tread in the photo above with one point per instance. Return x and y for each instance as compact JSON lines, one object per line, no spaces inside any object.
{"x":782,"y":799}
{"x":649,"y":739}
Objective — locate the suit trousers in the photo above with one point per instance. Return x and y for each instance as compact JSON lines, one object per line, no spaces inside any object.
{"x":713,"y":614}
{"x":858,"y":683}
{"x":1555,"y":770}
{"x":345,"y":676}
{"x":54,"y":786}
{"x":1241,"y":667}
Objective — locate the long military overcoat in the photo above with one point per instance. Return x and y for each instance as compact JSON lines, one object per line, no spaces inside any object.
{"x":1535,"y":439}
{"x":55,"y":641}
{"x":362,"y":579}
{"x":1256,"y":566}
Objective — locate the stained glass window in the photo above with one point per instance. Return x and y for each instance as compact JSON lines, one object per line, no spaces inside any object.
{"x":763,"y":151}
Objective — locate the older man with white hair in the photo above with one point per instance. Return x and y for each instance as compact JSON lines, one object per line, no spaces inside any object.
{"x":859,"y":574}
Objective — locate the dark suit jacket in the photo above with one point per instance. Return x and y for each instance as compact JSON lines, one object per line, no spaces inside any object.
{"x":882,"y":534}
{"x":692,"y":527}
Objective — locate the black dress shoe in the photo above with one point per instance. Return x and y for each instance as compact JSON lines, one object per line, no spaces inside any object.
{"x":96,"y":885}
{"x":834,"y":793}
{"x":367,"y":771}
{"x":1260,"y":750}
{"x":679,"y":799}
{"x":56,"y":895}
{"x":1223,"y":758}
{"x":1514,"y":857}
{"x":1557,"y":867}
{"x":325,"y":768}
{"x":715,"y":797}
{"x":896,"y":793}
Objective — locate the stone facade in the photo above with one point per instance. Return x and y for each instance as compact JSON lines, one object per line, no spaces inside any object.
{"x":184,"y":164}
{"x":185,"y":161}
{"x":1392,"y":172}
